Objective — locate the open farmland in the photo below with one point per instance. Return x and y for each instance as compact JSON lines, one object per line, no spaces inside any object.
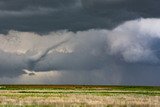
{"x":83,"y":96}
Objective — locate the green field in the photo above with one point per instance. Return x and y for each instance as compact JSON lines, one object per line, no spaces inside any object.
{"x":78,"y":96}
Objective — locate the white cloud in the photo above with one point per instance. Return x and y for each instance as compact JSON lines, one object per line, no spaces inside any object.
{"x":133,"y":40}
{"x":25,"y":42}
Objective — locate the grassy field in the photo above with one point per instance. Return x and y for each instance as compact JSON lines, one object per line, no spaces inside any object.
{"x":78,"y":96}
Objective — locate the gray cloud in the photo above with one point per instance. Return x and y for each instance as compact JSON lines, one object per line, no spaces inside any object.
{"x":111,"y":56}
{"x":23,"y":4}
{"x":74,"y":15}
{"x":26,"y":12}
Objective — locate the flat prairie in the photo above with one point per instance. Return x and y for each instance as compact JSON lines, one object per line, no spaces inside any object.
{"x":79,"y":96}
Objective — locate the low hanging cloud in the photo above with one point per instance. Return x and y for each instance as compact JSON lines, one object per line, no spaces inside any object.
{"x":108,"y":55}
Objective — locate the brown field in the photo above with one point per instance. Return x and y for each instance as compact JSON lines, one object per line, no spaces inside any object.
{"x":79,"y":96}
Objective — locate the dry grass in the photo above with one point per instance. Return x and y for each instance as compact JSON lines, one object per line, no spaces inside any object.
{"x":81,"y":97}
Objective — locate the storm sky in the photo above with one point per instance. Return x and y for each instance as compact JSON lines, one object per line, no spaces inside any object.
{"x":105,"y":42}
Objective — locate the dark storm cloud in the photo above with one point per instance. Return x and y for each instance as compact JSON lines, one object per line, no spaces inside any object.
{"x":52,"y":15}
{"x":22,"y":4}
